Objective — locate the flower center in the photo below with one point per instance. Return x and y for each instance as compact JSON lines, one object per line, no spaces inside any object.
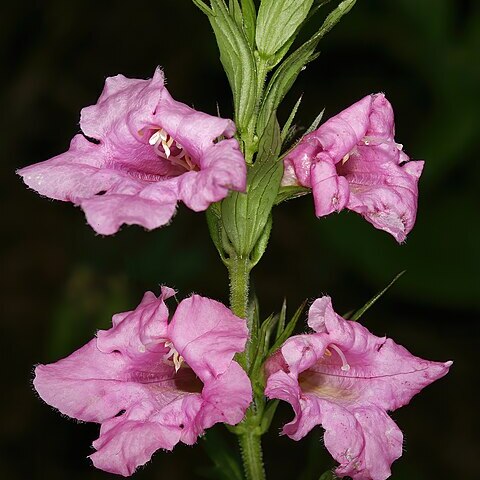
{"x":173,"y":356}
{"x":168,"y":149}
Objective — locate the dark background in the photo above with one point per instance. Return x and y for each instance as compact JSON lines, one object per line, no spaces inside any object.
{"x":60,"y":282}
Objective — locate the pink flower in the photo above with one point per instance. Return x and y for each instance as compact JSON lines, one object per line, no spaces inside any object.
{"x":142,"y":152}
{"x":353,"y":162}
{"x":344,"y":378}
{"x":151,"y":382}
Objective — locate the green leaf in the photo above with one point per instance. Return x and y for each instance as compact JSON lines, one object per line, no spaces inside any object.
{"x":315,"y":123}
{"x":253,"y":328}
{"x":281,"y":319}
{"x":236,"y":12}
{"x":245,"y":215}
{"x":226,"y":465}
{"x":277,"y":22}
{"x":237,"y":60}
{"x":268,"y":415}
{"x":291,"y":117}
{"x":249,"y":20}
{"x":282,"y":80}
{"x":262,"y":345}
{"x":362,"y":310}
{"x":288,"y":329}
{"x":206,"y":10}
{"x":262,"y":242}
{"x":288,"y":193}
{"x":288,"y":71}
{"x":270,"y":143}
{"x":218,"y":234}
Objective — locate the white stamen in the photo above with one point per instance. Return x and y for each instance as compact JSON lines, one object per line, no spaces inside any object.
{"x":166,"y":148}
{"x":163,"y":134}
{"x":177,"y":359}
{"x":154,"y":138}
{"x":345,"y":366}
{"x":345,"y":159}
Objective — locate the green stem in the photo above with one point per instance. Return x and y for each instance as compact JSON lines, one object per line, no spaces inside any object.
{"x":239,"y":272}
{"x":248,"y":436}
{"x":251,"y":447}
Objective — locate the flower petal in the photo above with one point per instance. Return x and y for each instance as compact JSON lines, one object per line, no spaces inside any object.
{"x":141,"y":330}
{"x":195,"y":131}
{"x":88,"y":384}
{"x":128,"y":441}
{"x":223,"y":168}
{"x":207,"y":335}
{"x":227,"y":397}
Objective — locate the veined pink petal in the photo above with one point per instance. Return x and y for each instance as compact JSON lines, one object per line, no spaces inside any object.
{"x":352,"y":161}
{"x":345,"y":378}
{"x":146,"y":382}
{"x":144,"y":153}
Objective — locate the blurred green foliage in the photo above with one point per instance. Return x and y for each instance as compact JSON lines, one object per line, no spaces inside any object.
{"x":61,"y":283}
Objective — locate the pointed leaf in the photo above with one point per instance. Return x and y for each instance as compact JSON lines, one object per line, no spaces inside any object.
{"x":290,"y":68}
{"x":362,"y":310}
{"x":204,"y":8}
{"x":281,"y":319}
{"x":268,"y":415}
{"x":262,"y":344}
{"x":291,"y":117}
{"x":277,"y":22}
{"x":237,"y":60}
{"x":254,"y":328}
{"x":288,"y":329}
{"x":315,"y":123}
{"x":236,"y":12}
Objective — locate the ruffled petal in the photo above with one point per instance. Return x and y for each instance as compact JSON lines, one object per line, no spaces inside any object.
{"x":226,"y":397}
{"x":222,"y":169}
{"x":124,"y":108}
{"x":88,"y":385}
{"x":382,"y":441}
{"x":125,"y":444}
{"x":339,"y":135}
{"x":207,"y":335}
{"x":141,"y":331}
{"x":195,"y":131}
{"x":151,"y":207}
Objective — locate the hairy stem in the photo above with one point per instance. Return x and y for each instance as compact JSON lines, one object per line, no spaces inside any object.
{"x":239,"y":272}
{"x":251,"y":448}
